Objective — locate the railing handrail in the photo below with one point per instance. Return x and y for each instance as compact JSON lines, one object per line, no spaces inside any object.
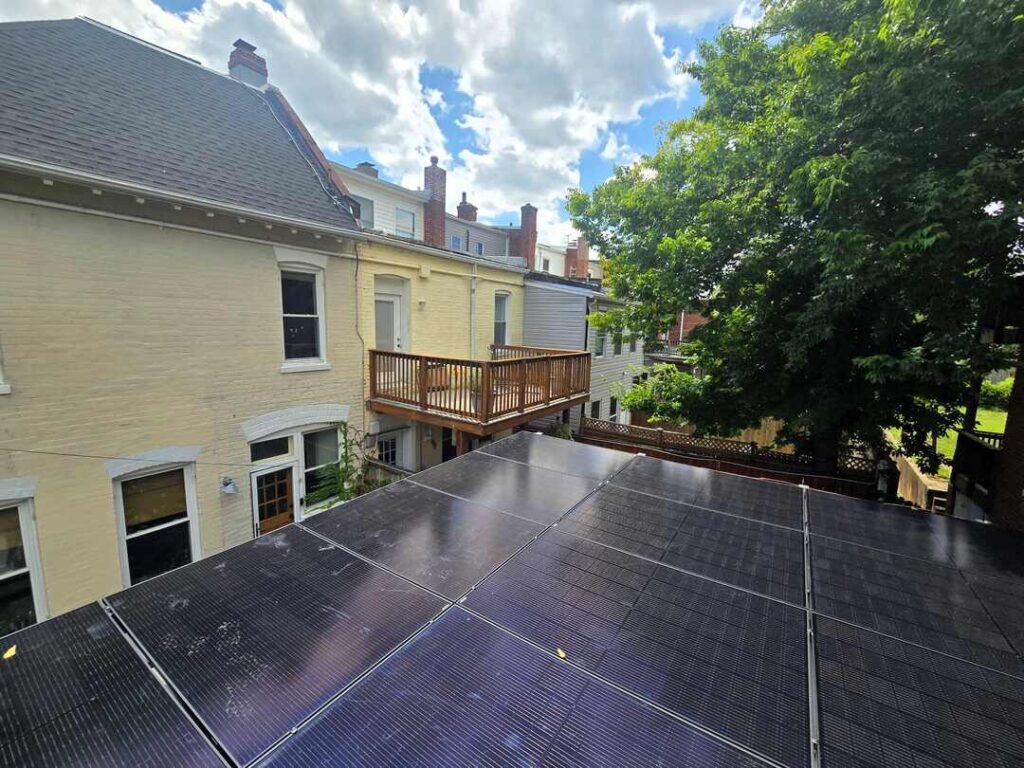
{"x":471,"y":361}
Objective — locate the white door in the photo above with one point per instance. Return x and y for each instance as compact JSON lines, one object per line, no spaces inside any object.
{"x":388,"y":322}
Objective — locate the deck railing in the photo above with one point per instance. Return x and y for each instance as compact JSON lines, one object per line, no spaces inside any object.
{"x":516,"y":380}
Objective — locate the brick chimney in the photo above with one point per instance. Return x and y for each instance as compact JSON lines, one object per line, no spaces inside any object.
{"x":369,"y":169}
{"x":434,"y":182}
{"x":466,"y":210}
{"x":528,"y":234}
{"x":246,"y":66}
{"x":577,"y":258}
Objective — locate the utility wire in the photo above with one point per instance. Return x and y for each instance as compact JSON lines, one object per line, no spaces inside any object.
{"x":121,"y":458}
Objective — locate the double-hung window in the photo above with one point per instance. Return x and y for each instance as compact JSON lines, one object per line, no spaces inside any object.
{"x":157,"y":520}
{"x":617,"y":344}
{"x":546,"y":265}
{"x":320,"y":454}
{"x":599,"y":341}
{"x":456,"y":243}
{"x":405,"y":223}
{"x":21,"y":590}
{"x":632,"y":344}
{"x":595,"y":409}
{"x":303,"y":318}
{"x":479,"y":248}
{"x":501,"y":318}
{"x":613,"y":409}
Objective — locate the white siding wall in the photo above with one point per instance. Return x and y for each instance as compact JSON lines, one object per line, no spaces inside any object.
{"x":555,"y":257}
{"x":385,"y":201}
{"x":495,"y":241}
{"x":610,"y":371}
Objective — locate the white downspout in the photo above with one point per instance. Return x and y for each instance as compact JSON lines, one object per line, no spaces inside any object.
{"x":472,"y":315}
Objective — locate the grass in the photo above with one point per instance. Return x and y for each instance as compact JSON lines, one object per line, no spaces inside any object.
{"x":988,"y":421}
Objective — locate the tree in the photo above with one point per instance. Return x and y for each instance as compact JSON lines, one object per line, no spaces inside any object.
{"x":843,"y":206}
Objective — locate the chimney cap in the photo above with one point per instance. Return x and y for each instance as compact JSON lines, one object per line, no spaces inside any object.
{"x":433,"y":159}
{"x":463,"y":197}
{"x":244,"y":45}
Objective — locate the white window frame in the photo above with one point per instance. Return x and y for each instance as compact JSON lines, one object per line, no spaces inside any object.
{"x":296,"y":461}
{"x":401,"y":232}
{"x":362,"y":210}
{"x":5,"y":386}
{"x":456,"y":242}
{"x":393,"y":439}
{"x":506,"y":297}
{"x":600,"y":343}
{"x":613,"y":409}
{"x":191,"y":509}
{"x":479,"y":248}
{"x":546,"y":265}
{"x":319,"y":363}
{"x":30,"y":546}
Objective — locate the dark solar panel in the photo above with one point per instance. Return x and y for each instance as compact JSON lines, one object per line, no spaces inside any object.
{"x":670,"y":479}
{"x":466,"y":693}
{"x":983,"y":549}
{"x":1004,"y":601}
{"x":882,"y":526}
{"x":726,"y":659}
{"x":887,"y":703}
{"x":748,"y":554}
{"x":564,"y":456}
{"x":762,"y":500}
{"x":531,"y":492}
{"x":912,"y":599}
{"x":444,"y":543}
{"x":257,"y":637}
{"x":75,"y":693}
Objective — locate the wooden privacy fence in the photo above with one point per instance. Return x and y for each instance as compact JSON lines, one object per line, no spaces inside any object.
{"x":853,"y":466}
{"x":517,"y":380}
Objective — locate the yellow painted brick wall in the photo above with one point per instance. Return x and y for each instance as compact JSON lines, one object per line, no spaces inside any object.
{"x":120,"y":338}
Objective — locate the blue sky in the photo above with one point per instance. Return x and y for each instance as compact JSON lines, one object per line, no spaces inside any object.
{"x":520,"y":99}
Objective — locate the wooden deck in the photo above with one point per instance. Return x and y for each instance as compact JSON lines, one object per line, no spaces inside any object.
{"x":479,"y":396}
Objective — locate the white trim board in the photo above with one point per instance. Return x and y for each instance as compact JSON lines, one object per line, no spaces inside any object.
{"x":154,"y":459}
{"x":267,"y":424}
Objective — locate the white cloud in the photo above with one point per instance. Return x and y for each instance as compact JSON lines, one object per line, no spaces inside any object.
{"x":748,"y":14}
{"x":545,"y":81}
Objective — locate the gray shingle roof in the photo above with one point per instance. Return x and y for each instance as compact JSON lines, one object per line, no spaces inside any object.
{"x":79,"y":96}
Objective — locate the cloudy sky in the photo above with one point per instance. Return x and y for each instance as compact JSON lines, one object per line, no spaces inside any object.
{"x":520,"y":99}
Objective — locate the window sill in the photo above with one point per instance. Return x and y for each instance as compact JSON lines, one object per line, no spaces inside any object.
{"x":5,"y":389}
{"x":300,"y":366}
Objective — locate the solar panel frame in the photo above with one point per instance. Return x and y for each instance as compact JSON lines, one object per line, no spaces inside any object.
{"x":502,"y":702}
{"x":567,"y":457}
{"x":664,"y":635}
{"x":75,"y":692}
{"x":257,"y":638}
{"x":441,"y":542}
{"x":536,"y":494}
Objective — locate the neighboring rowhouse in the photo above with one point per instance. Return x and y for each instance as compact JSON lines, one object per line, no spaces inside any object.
{"x":188,"y":306}
{"x":556,"y":316}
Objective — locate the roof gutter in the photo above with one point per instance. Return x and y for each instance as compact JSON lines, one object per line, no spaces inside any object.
{"x":73,"y":176}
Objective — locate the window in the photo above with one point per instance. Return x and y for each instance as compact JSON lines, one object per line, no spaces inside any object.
{"x":270,"y":449}
{"x":301,"y":299}
{"x":613,"y":409}
{"x":617,"y":344}
{"x":157,"y":523}
{"x":456,"y":243}
{"x":387,"y":450}
{"x":501,"y":318}
{"x":595,"y":409}
{"x":405,"y":223}
{"x":632,"y":345}
{"x":320,"y":450}
{"x":365,"y":210}
{"x":479,"y":249}
{"x":21,"y":591}
{"x":546,"y":265}
{"x":599,"y":340}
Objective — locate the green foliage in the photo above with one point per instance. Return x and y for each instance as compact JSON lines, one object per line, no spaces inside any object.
{"x":559,"y":430}
{"x":825,"y":207}
{"x":346,"y":478}
{"x":996,"y":395}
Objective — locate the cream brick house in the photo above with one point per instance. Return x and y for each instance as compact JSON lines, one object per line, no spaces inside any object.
{"x":188,"y":311}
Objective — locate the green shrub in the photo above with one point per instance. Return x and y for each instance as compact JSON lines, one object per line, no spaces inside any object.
{"x":560,"y":430}
{"x":996,"y":396}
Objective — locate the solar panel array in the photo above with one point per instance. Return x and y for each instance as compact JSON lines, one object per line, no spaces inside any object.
{"x":543,"y":602}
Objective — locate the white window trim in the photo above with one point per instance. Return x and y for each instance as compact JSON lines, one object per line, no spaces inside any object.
{"x":310,"y":267}
{"x":508,"y":310}
{"x":5,"y":386}
{"x":405,"y":233}
{"x":456,"y":242}
{"x":603,"y":336}
{"x":30,"y":545}
{"x":296,"y":461}
{"x":191,"y":508}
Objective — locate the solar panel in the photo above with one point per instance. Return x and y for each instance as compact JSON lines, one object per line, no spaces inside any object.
{"x":887,"y":703}
{"x":564,"y":456}
{"x":726,"y":659}
{"x":441,"y":542}
{"x":531,"y":492}
{"x":258,"y":637}
{"x":883,"y":526}
{"x":466,"y":693}
{"x":764,"y":500}
{"x":75,"y":693}
{"x":745,"y":553}
{"x":679,"y":482}
{"x":983,"y":549}
{"x":911,"y":599}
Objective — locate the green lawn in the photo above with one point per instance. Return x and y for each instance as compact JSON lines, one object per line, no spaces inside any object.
{"x":988,"y":421}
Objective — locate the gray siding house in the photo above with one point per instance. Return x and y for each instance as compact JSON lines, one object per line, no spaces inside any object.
{"x":555,"y":316}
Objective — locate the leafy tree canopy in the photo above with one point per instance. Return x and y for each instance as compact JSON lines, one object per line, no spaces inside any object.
{"x":843,"y":207}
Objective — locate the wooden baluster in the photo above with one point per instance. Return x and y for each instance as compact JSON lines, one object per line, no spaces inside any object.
{"x":424,"y":364}
{"x":373,"y":374}
{"x":522,"y":386}
{"x":484,"y":401}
